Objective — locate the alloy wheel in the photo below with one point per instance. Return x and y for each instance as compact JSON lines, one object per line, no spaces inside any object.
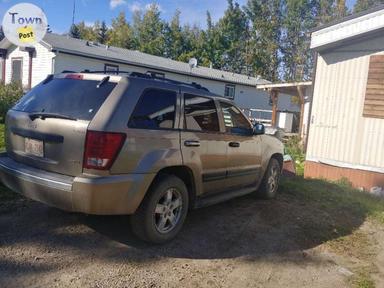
{"x":168,"y":210}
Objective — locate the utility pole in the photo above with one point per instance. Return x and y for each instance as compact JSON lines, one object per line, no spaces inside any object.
{"x":73,"y":12}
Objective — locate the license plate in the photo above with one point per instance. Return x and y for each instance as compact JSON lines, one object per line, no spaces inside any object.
{"x":34,"y":147}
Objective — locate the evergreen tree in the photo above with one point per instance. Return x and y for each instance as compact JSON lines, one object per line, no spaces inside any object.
{"x":300,"y":18}
{"x":174,"y":38}
{"x":263,"y":50}
{"x":362,"y":5}
{"x":341,"y":9}
{"x":121,"y":33}
{"x":74,"y":32}
{"x":329,"y":10}
{"x":87,"y":32}
{"x":267,"y":37}
{"x":232,"y":29}
{"x":102,"y":35}
{"x":210,"y":45}
{"x":151,"y":32}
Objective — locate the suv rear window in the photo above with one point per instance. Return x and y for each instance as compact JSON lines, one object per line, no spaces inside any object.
{"x":79,"y":99}
{"x":155,"y":110}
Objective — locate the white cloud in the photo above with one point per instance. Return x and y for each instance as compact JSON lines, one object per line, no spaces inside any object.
{"x":89,"y":23}
{"x":115,"y":3}
{"x":135,"y":6}
{"x":139,"y":6}
{"x":148,"y":6}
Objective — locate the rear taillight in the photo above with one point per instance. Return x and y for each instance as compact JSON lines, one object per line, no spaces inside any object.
{"x":101,"y":149}
{"x":74,"y":76}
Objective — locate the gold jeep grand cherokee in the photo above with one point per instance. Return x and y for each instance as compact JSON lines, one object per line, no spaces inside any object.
{"x":135,"y":144}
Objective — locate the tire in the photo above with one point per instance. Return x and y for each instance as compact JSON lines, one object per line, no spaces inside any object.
{"x":270,"y":183}
{"x":160,"y":218}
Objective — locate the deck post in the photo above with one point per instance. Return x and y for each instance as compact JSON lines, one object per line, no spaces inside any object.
{"x":301,"y":92}
{"x":274,"y":94}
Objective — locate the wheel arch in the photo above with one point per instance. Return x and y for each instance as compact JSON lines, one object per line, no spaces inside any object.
{"x":279,"y":157}
{"x":186,"y":175}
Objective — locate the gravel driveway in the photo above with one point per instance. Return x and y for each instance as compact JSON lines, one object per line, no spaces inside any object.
{"x":241,"y":243}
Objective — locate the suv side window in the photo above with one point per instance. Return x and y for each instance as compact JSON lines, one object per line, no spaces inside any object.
{"x":154,"y":110}
{"x":234,"y":120}
{"x":200,"y":114}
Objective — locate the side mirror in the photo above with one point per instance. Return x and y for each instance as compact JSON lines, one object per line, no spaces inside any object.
{"x":259,"y":129}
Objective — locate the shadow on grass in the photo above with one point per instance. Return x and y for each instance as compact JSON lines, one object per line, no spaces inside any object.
{"x":306,"y":213}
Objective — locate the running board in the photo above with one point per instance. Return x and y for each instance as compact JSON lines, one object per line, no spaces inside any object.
{"x":221,"y":197}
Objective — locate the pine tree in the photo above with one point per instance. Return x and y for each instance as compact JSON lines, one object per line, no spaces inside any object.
{"x":102,"y":35}
{"x":341,"y":9}
{"x":362,"y":5}
{"x":263,"y":50}
{"x":210,"y":45}
{"x":300,"y":18}
{"x":74,"y":32}
{"x":329,"y":10}
{"x":174,"y":37}
{"x":151,"y":32}
{"x":87,"y":32}
{"x":232,"y":29}
{"x":121,"y":33}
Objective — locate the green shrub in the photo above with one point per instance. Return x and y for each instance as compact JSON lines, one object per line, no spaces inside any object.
{"x":294,"y":148}
{"x":9,"y":94}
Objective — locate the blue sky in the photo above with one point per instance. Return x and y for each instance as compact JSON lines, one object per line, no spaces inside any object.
{"x":59,"y":12}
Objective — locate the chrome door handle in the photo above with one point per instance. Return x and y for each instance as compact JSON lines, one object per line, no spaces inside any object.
{"x":192,"y":143}
{"x":234,"y":144}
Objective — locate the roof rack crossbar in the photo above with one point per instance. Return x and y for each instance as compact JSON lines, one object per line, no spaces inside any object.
{"x":147,"y":76}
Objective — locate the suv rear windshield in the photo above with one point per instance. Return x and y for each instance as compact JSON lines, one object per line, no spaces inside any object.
{"x":79,"y":99}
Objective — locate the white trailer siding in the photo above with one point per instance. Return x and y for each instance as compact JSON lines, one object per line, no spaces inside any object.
{"x":245,"y":96}
{"x":41,"y":64}
{"x":14,"y":53}
{"x":339,"y":134}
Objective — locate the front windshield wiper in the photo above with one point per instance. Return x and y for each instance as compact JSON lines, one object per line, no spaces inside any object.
{"x":43,"y":115}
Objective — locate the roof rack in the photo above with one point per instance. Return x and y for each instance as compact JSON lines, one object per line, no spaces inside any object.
{"x":146,"y":76}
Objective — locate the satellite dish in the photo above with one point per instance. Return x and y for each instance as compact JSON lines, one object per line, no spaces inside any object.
{"x":192,"y":63}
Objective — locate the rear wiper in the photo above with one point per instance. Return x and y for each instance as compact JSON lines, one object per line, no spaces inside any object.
{"x":102,"y":82}
{"x":43,"y":115}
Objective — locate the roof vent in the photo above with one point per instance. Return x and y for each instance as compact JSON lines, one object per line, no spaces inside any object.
{"x":192,"y":63}
{"x":91,"y":43}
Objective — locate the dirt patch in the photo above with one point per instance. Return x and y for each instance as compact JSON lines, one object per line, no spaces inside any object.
{"x":241,"y":243}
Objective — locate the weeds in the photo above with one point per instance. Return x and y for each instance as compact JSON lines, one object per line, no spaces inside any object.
{"x":294,"y":148}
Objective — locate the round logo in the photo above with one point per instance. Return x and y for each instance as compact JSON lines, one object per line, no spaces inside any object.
{"x":25,"y":24}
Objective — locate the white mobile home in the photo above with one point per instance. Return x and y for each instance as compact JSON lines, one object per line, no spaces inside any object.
{"x":346,"y":135}
{"x":58,"y":52}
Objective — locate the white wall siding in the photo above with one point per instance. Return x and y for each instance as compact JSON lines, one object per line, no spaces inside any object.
{"x":348,"y":29}
{"x":338,"y":130}
{"x":41,"y":64}
{"x":245,"y":96}
{"x":15,"y":52}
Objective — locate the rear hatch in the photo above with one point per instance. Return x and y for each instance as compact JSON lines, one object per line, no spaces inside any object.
{"x":47,"y":128}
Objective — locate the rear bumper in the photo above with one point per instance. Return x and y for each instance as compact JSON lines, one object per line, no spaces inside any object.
{"x":107,"y":195}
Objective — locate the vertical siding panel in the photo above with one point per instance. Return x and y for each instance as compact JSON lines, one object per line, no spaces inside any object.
{"x":340,"y":132}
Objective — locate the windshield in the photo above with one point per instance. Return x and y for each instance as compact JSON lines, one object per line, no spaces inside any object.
{"x":78,"y":99}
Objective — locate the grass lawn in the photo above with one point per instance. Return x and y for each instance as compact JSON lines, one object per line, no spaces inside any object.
{"x":326,"y":213}
{"x":2,"y":143}
{"x":5,"y":194}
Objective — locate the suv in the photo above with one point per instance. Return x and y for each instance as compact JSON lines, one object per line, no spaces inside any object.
{"x":134,"y":144}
